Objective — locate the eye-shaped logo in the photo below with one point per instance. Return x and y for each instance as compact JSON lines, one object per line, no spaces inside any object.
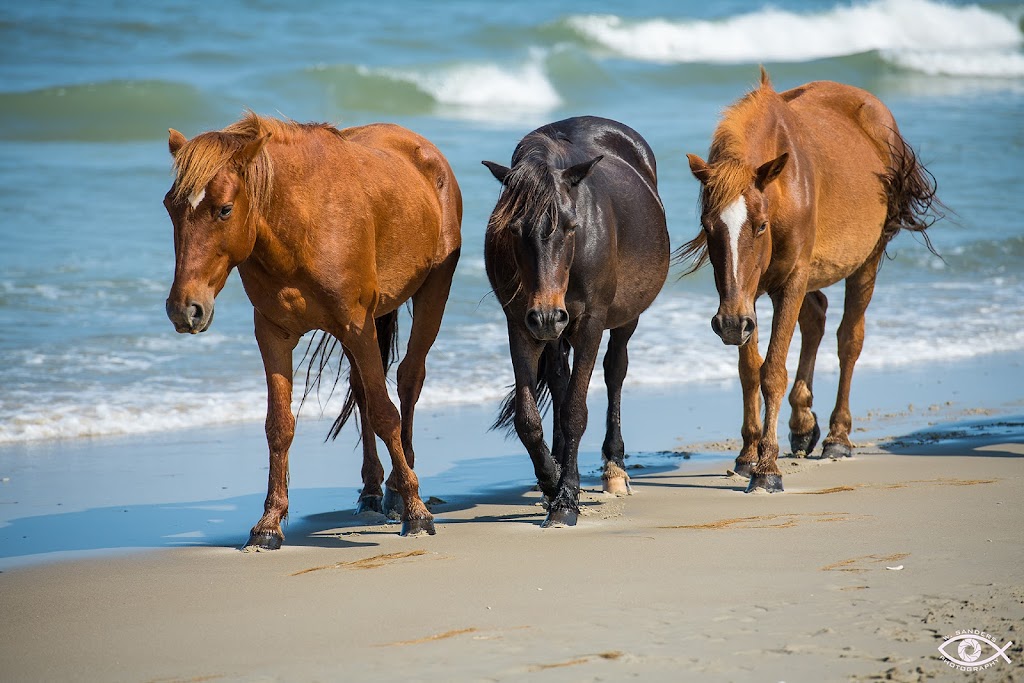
{"x":969,"y":649}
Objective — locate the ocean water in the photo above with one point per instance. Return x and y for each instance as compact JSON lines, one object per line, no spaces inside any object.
{"x":89,"y":89}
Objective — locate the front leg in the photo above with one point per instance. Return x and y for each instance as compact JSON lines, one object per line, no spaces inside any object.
{"x":750,"y":362}
{"x":586,"y":342}
{"x":787,"y":303}
{"x":276,"y":346}
{"x":529,"y":426}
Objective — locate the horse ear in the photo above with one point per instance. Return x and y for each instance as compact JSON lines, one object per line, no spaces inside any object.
{"x":699,"y":168}
{"x":574,"y":175}
{"x":769,"y":171}
{"x":244,"y":156}
{"x":175,"y":141}
{"x":497,"y":170}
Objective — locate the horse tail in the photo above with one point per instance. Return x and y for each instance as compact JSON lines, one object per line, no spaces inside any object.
{"x":695,"y":251}
{"x":910,"y":191}
{"x":387,"y":341}
{"x":506,"y":419}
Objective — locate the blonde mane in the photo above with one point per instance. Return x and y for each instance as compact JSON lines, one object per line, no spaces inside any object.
{"x":730,"y":170}
{"x":202,"y":157}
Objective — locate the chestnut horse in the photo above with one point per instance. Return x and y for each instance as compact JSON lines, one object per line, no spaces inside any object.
{"x":331,"y":230}
{"x":577,"y":244}
{"x":801,"y":189}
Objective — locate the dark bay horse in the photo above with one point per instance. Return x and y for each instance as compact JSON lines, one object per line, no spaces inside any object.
{"x":330,"y":230}
{"x":801,"y":189}
{"x":577,"y":244}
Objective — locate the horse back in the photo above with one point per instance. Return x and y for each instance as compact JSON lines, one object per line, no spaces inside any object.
{"x":391,"y":150}
{"x":411,"y":202}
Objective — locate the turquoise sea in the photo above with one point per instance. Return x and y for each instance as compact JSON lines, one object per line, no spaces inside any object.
{"x":89,"y":89}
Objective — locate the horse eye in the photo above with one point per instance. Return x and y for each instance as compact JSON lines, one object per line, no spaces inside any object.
{"x":762,"y":228}
{"x":225,"y":211}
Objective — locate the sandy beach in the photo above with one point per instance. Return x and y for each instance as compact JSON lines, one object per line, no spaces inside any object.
{"x":859,"y":571}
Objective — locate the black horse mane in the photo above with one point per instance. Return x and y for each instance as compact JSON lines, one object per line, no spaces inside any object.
{"x":528,"y":193}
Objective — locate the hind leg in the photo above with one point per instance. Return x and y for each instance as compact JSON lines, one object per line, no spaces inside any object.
{"x":371,"y":495}
{"x":613,"y":452}
{"x":385,"y":420}
{"x":750,"y":382}
{"x":859,"y":288}
{"x":428,"y":305}
{"x":803,"y":423}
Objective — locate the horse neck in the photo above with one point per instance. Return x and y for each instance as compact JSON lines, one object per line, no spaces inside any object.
{"x":272,"y":221}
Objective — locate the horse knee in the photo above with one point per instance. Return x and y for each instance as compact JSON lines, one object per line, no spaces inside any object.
{"x":528,"y":426}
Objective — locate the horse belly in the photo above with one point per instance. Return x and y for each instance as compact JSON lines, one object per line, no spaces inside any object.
{"x":850,"y":207}
{"x":641,"y":276}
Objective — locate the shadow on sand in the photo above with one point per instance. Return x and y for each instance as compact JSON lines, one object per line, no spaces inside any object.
{"x":501,"y":482}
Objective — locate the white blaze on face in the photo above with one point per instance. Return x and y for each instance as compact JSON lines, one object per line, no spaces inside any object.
{"x":196,"y":197}
{"x":734,"y":216}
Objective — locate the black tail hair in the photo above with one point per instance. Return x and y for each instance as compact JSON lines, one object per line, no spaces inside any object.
{"x":910,"y":191}
{"x":322,"y":347}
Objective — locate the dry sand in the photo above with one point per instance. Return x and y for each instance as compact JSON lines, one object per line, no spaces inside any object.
{"x":858,"y":572}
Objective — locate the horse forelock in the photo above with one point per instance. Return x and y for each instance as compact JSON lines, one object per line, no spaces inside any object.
{"x":203,"y":157}
{"x":730,"y":172}
{"x":529,"y":194}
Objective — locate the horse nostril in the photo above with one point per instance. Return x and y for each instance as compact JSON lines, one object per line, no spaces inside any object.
{"x":193,"y":314}
{"x":716,"y":325}
{"x":747,"y":326}
{"x":561,"y":316}
{"x":534,"y":320}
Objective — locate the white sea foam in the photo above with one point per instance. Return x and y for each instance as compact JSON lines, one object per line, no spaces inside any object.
{"x":148,"y":390}
{"x":770,"y":34}
{"x":485,"y":91}
{"x":960,"y":63}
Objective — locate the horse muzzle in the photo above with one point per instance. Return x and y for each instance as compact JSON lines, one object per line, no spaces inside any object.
{"x":190,"y":317}
{"x":734,"y":330}
{"x":546,"y":323}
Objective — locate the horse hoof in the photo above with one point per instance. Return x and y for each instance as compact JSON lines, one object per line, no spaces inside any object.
{"x":617,"y":486}
{"x":392,"y":504}
{"x":744,"y":469}
{"x":558,"y":518}
{"x":836,"y":450}
{"x":772,"y":483}
{"x":418,"y":527}
{"x":369,"y":504}
{"x":802,"y":445}
{"x":265,"y":540}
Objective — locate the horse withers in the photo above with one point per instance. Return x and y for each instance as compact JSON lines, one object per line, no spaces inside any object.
{"x":801,"y":189}
{"x":577,"y":244}
{"x":330,"y":230}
